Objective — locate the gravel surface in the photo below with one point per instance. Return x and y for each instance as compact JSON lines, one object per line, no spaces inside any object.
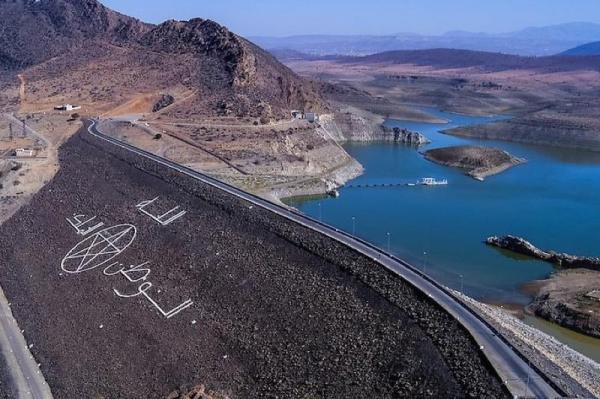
{"x":576,"y":374}
{"x":6,"y":388}
{"x":278,"y":310}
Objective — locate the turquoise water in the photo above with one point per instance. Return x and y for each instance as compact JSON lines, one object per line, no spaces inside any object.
{"x":553,"y":201}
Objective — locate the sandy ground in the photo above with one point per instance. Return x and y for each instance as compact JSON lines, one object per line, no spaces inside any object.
{"x":18,"y":186}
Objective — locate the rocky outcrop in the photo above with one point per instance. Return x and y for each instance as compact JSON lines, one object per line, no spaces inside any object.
{"x":405,"y":136}
{"x":569,"y":299}
{"x":358,"y":126}
{"x":198,"y":392}
{"x":524,"y":247}
{"x":479,"y":162}
{"x":164,"y":101}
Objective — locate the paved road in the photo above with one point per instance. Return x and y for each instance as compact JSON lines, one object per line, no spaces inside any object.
{"x":26,"y":378}
{"x":515,"y":371}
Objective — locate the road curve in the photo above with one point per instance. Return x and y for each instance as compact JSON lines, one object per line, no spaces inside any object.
{"x":521,"y":378}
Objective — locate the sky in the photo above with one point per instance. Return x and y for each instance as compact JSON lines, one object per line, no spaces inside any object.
{"x":284,"y":17}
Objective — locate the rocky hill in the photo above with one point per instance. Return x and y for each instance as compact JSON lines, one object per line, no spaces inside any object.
{"x":35,"y":31}
{"x":106,"y":51}
{"x":584,"y":50}
{"x":481,"y":60}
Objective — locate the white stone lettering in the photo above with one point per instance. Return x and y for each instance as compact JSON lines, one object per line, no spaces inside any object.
{"x":79,"y":222}
{"x":164,"y":219}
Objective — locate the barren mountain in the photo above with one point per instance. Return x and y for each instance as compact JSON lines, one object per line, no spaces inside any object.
{"x":589,"y":49}
{"x":486,"y":61}
{"x":35,"y":31}
{"x":81,"y":51}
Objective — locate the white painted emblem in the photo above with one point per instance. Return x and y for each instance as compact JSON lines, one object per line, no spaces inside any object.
{"x":98,"y":249}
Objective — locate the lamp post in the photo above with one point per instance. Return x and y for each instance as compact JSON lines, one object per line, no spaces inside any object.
{"x":353,"y":226}
{"x":388,"y":242}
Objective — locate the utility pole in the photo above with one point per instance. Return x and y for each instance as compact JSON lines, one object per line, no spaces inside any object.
{"x":24,"y":129}
{"x":10,"y":132}
{"x":388,"y":242}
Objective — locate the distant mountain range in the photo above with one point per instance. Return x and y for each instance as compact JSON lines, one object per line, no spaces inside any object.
{"x":586,"y":49}
{"x":483,"y":61}
{"x":534,"y":41}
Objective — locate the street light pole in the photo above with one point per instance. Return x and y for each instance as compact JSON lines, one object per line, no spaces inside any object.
{"x":388,"y":242}
{"x":353,"y":226}
{"x":320,"y":213}
{"x":461,"y":284}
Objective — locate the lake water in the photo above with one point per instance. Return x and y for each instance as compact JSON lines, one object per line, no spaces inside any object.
{"x":553,"y":201}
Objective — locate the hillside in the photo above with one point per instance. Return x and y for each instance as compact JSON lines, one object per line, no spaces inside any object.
{"x":104,"y":51}
{"x":592,"y":49}
{"x":493,"y":62}
{"x":35,"y":31}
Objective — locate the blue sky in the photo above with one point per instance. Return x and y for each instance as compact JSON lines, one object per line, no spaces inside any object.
{"x":282,"y":17}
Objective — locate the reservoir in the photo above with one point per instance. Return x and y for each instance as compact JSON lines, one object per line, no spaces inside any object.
{"x":553,"y":201}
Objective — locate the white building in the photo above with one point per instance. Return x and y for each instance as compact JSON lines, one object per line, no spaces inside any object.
{"x":24,"y":152}
{"x":67,"y":107}
{"x":297,"y":114}
{"x":311,"y":117}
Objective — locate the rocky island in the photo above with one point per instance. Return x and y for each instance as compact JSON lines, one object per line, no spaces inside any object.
{"x":479,"y":162}
{"x":524,"y":247}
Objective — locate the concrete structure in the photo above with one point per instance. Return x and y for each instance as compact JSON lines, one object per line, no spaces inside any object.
{"x":67,"y":107}
{"x":312,"y":117}
{"x":296,"y":114}
{"x":24,"y":152}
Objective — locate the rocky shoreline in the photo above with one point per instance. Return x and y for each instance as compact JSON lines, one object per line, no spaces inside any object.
{"x":406,"y":136}
{"x":570,"y":298}
{"x":478,"y":162}
{"x":575,"y":373}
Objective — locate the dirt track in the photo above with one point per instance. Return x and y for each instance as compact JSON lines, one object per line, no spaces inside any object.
{"x":278,"y":311}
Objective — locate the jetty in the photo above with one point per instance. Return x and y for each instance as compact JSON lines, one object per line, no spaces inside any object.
{"x":427,"y":181}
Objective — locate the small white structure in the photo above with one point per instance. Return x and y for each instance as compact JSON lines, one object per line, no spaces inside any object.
{"x":311,"y":117}
{"x":297,"y":114}
{"x":24,"y":152}
{"x":67,"y":107}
